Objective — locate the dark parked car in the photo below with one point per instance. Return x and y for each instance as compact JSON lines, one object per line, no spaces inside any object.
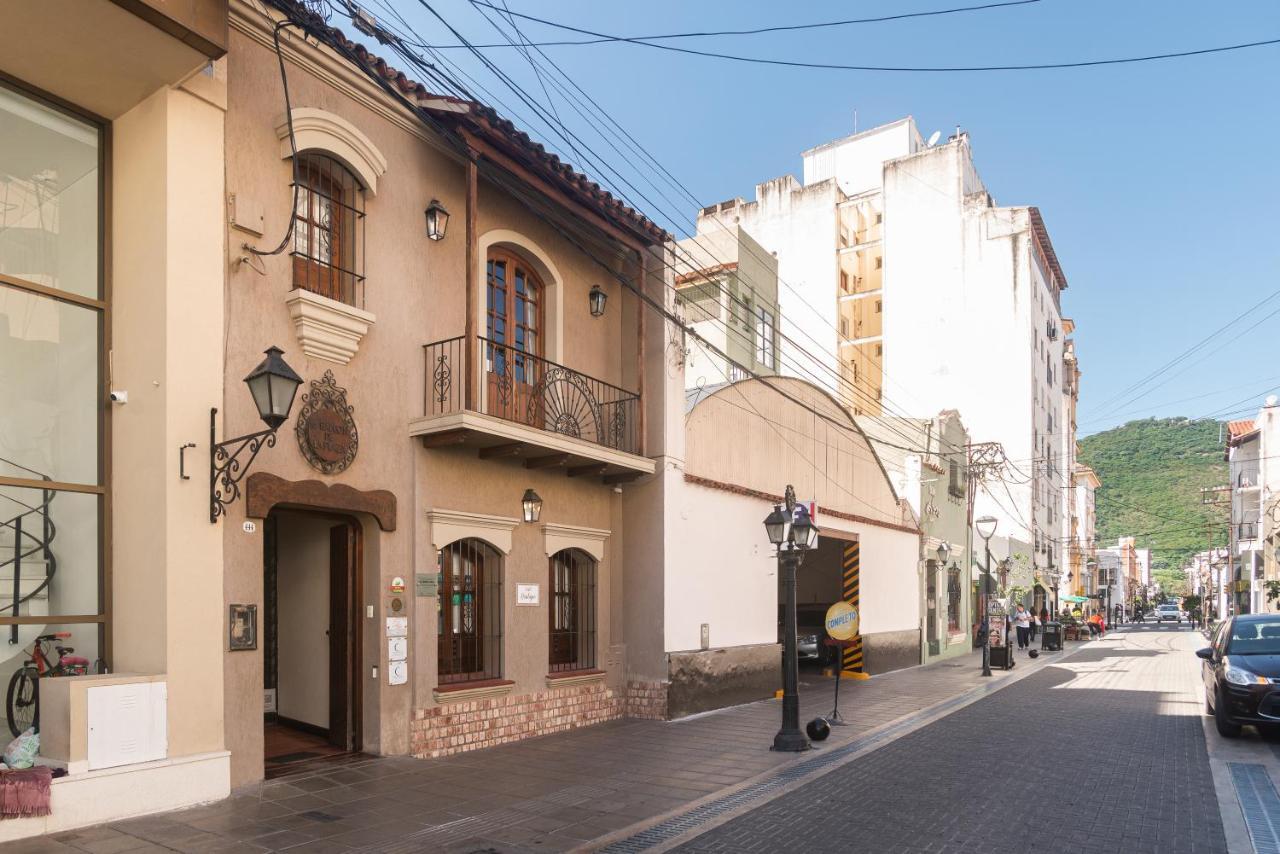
{"x":810,"y":632}
{"x":1241,"y":672}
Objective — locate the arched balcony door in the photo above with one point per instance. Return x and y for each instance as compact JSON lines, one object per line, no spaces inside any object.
{"x":515,"y":298}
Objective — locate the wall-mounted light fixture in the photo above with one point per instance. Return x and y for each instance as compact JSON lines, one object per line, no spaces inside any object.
{"x":532,"y":505}
{"x":597,"y":298}
{"x":273,"y":385}
{"x":437,"y":220}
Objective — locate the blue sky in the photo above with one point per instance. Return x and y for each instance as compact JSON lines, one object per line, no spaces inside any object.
{"x":1158,"y":181}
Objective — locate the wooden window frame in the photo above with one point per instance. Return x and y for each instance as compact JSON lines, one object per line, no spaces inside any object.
{"x":339,"y":275}
{"x":455,"y":663}
{"x":572,"y":611}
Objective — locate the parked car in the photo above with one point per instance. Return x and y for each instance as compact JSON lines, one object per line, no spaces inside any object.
{"x":1169,"y":612}
{"x":810,"y":632}
{"x":1241,"y":673}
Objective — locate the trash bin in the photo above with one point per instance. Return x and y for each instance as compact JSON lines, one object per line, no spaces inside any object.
{"x":1051,"y":637}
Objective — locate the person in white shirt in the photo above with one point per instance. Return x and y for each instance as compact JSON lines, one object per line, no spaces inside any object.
{"x":1022,"y":620}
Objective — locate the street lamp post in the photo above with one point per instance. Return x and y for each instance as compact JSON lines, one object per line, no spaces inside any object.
{"x":793,"y":533}
{"x":986,"y":526}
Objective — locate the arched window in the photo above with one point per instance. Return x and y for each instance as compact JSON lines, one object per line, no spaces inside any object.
{"x":573,"y":611}
{"x":328,"y":230}
{"x":514,"y":324}
{"x":469,"y":612}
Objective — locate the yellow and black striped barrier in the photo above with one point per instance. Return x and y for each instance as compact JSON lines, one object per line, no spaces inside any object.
{"x":852,"y":658}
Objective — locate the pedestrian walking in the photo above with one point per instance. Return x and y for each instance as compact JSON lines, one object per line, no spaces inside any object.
{"x":1022,"y":621}
{"x":1032,"y":626}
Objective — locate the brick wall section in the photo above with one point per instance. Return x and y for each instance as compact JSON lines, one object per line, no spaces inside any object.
{"x":646,"y":700}
{"x":470,"y":725}
{"x":458,"y":727}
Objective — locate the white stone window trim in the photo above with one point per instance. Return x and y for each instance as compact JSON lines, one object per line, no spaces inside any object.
{"x":557,"y":537}
{"x":326,"y":328}
{"x":319,"y":130}
{"x":449,"y":526}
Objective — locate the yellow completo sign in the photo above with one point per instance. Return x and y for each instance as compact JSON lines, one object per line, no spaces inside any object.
{"x":842,"y":621}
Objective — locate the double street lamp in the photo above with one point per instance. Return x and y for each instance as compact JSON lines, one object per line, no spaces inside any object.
{"x":792,"y":532}
{"x":986,"y":526}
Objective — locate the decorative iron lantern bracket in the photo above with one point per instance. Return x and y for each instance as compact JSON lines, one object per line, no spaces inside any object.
{"x":228,"y":466}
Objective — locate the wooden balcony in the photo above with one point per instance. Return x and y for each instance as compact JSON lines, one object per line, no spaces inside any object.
{"x":505,"y":403}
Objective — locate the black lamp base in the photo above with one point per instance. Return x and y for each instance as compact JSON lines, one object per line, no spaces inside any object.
{"x":790,"y":741}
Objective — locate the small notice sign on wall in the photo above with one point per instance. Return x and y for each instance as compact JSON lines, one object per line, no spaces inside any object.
{"x":527,"y":594}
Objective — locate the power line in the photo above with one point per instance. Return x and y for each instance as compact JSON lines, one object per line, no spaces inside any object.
{"x":907,"y":69}
{"x":1187,"y":353}
{"x":752,"y":32}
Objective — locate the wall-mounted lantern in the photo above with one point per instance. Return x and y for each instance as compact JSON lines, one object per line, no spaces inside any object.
{"x":532,"y":505}
{"x":437,"y":220}
{"x":944,"y":551}
{"x":273,"y":385}
{"x":597,"y":298}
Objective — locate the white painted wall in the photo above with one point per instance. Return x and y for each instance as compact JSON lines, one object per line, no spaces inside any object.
{"x":302,"y":590}
{"x":723,"y":573}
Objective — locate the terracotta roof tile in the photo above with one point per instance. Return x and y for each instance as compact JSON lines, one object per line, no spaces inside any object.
{"x":587,"y":192}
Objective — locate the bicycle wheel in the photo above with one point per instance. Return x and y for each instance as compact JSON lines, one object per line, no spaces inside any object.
{"x":20,"y":703}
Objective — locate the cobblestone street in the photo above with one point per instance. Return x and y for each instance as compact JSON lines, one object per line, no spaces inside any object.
{"x":1101,"y":752}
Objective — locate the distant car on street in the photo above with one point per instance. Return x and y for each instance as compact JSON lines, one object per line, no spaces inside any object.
{"x":1169,"y":612}
{"x":1241,"y":673}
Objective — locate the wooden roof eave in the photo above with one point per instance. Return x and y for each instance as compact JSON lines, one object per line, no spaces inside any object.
{"x":509,"y":163}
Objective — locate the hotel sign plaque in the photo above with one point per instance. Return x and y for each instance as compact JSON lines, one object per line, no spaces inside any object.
{"x":326,"y":429}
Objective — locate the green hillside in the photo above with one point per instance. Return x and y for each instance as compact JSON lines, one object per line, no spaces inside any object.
{"x":1151,"y":473}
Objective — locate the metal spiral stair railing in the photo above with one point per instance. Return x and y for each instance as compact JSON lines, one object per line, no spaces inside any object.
{"x":27,"y":544}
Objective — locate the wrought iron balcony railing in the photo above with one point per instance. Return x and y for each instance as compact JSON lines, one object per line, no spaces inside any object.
{"x":508,"y":383}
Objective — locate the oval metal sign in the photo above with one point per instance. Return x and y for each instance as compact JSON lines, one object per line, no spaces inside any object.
{"x":842,"y":621}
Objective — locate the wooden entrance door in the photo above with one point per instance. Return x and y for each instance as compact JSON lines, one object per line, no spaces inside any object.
{"x":514,"y":325}
{"x":343,"y":637}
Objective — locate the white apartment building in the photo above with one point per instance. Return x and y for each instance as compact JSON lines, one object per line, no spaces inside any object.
{"x":905,"y":290}
{"x":727,"y":292}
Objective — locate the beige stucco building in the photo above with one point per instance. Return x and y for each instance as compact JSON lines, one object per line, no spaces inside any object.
{"x":406,"y":603}
{"x":111,"y":278}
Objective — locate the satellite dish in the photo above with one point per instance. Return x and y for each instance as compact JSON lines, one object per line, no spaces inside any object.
{"x":933,"y":140}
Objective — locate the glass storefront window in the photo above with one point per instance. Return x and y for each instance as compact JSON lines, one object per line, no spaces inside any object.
{"x":49,"y":190}
{"x":49,"y":388}
{"x":53,"y":495}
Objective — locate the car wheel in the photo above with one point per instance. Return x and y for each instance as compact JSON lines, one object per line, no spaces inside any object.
{"x":1226,"y":727}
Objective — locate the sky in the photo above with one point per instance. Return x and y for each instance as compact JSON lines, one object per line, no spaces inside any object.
{"x":1157,"y":181}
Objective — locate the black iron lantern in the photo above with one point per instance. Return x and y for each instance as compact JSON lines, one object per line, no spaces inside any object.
{"x":437,"y":220}
{"x":803,"y":532}
{"x":777,"y":526}
{"x":532,"y":505}
{"x":273,"y":385}
{"x":597,"y":298}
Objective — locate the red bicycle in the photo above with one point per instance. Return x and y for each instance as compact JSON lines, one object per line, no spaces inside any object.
{"x":23,"y":700}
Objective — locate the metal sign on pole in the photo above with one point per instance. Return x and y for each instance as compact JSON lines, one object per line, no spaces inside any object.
{"x":842,"y":627}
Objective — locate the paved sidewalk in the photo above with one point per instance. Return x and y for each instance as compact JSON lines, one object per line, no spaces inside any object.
{"x":549,"y":794}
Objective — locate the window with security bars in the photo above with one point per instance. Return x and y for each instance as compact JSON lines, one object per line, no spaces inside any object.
{"x":469,"y":612}
{"x":573,"y":611}
{"x":328,"y":230}
{"x":953,"y":599}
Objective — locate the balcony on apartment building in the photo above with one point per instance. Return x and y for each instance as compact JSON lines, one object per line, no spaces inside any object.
{"x":507,"y":403}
